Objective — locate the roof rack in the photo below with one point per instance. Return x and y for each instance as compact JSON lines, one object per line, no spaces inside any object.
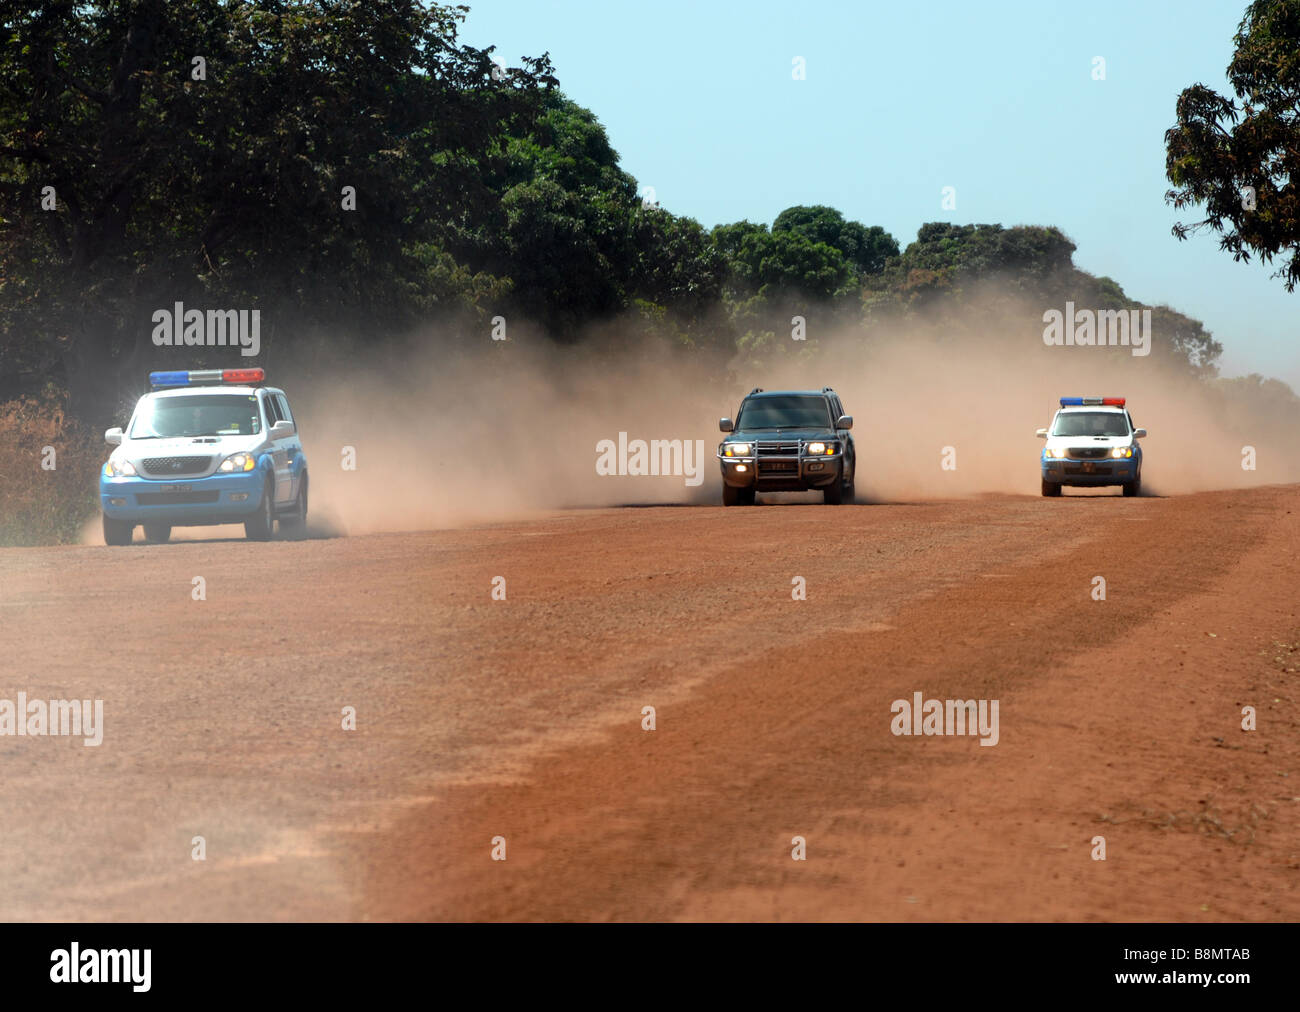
{"x":756,"y":390}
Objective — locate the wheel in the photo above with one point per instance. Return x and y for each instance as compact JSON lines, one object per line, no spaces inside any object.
{"x":299,"y":515}
{"x":1134,"y":487}
{"x":117,"y":532}
{"x":732,"y":496}
{"x":259,"y":527}
{"x":849,"y":493}
{"x":833,"y":494}
{"x":157,"y":533}
{"x":1051,"y":488}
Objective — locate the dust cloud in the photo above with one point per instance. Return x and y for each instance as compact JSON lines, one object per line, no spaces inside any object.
{"x":511,"y":430}
{"x":447,"y":435}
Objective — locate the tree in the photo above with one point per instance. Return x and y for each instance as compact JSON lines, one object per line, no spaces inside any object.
{"x":223,"y":184}
{"x":867,"y":249}
{"x":1242,"y":162}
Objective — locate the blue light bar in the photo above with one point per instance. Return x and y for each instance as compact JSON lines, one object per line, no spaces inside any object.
{"x":169,"y":379}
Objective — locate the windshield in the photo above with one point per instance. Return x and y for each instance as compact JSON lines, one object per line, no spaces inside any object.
{"x":794,"y":412}
{"x":1091,"y":423}
{"x":198,"y":415}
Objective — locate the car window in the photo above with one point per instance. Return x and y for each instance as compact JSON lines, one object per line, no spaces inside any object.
{"x":283,"y":406}
{"x":784,"y":412}
{"x":271,"y":416}
{"x":1091,"y":423}
{"x":197,"y":415}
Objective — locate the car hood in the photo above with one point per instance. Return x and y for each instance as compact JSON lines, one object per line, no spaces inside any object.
{"x":216,"y":448}
{"x":1108,"y":442}
{"x":781,"y":436}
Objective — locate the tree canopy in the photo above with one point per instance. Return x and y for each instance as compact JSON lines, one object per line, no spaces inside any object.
{"x":1241,"y":159}
{"x":355,"y":171}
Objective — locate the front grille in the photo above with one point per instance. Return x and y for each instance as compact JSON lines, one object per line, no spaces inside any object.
{"x":174,"y":467}
{"x":1089,"y":452}
{"x":176,"y":498}
{"x":777,"y":449}
{"x":1095,"y":470}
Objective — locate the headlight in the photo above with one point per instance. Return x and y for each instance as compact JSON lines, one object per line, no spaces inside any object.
{"x":1057,"y":454}
{"x":1122,"y":451}
{"x":238,"y":462}
{"x":118,"y":468}
{"x":735,"y":450}
{"x":819,"y":449}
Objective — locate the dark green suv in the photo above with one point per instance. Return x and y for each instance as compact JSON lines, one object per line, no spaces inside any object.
{"x":788,"y":441}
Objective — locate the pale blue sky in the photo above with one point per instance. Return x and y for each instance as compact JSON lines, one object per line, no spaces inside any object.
{"x":903,"y":99}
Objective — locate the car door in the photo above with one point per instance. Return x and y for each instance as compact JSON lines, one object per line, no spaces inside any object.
{"x":850,"y":455}
{"x":279,"y":450}
{"x":293,"y":447}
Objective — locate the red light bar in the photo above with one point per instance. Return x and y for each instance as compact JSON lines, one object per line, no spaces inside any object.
{"x":1117,"y":402}
{"x":255,"y":376}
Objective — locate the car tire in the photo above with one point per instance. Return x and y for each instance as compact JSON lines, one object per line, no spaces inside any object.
{"x":731,"y":496}
{"x":298,"y":517}
{"x":850,"y":493}
{"x":157,"y":534}
{"x":1132,"y":488}
{"x":262,"y":525}
{"x":833,"y":494}
{"x":1051,"y":488}
{"x":117,"y":532}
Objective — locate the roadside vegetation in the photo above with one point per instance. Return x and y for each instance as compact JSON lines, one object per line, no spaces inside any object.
{"x":355,"y":172}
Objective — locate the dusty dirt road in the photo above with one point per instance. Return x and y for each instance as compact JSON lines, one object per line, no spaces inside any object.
{"x":523,"y":718}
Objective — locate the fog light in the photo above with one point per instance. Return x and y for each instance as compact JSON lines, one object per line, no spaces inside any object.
{"x":741,"y":468}
{"x":117,"y":502}
{"x":238,"y":496}
{"x":814,"y":466}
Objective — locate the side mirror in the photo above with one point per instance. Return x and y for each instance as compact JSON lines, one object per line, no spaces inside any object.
{"x":1139,"y":433}
{"x":113,"y":436}
{"x":844,"y":422}
{"x":1041,"y":433}
{"x":726,"y":425}
{"x":282,"y":429}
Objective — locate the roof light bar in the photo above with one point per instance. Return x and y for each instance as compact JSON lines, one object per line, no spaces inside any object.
{"x":193,"y":377}
{"x":1074,"y":402}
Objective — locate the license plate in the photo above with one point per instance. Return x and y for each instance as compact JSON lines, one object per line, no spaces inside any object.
{"x":175,"y":488}
{"x":1089,"y":468}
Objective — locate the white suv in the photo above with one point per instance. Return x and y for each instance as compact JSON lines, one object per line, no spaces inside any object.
{"x":1092,"y":442}
{"x":211,"y":446}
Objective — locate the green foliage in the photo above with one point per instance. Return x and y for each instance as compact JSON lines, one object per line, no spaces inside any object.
{"x":867,"y":249}
{"x":1218,"y":149}
{"x":477,"y":195}
{"x":228,"y":190}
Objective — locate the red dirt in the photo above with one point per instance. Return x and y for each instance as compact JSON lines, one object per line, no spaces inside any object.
{"x":522,"y":718}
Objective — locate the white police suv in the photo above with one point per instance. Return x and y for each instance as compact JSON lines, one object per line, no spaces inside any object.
{"x":209,"y":446}
{"x":1092,"y":442}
